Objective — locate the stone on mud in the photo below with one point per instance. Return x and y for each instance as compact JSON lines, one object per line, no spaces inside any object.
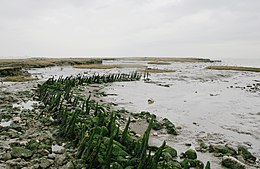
{"x":7,"y":156}
{"x":61,"y":159}
{"x":171,"y":151}
{"x":45,"y":163}
{"x":232,"y":163}
{"x":191,"y":154}
{"x":32,"y":145}
{"x":224,"y":150}
{"x":157,"y":125}
{"x":20,"y":152}
{"x":150,"y":101}
{"x":246,"y":154}
{"x":170,"y":127}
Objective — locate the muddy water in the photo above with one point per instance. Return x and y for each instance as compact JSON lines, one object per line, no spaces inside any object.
{"x":206,"y":104}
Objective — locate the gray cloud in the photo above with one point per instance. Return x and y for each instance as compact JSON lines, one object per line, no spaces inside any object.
{"x":135,"y":28}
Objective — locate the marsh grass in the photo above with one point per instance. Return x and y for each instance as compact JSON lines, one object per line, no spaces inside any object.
{"x":159,"y":63}
{"x":150,"y":70}
{"x":172,"y":59}
{"x":236,"y":68}
{"x":46,"y":62}
{"x":20,"y":78}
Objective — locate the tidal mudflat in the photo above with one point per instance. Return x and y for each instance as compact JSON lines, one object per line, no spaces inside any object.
{"x":204,"y":115}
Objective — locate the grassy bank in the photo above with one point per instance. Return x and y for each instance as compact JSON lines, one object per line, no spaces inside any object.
{"x":236,"y":68}
{"x":159,"y":63}
{"x":46,"y":62}
{"x":172,"y":59}
{"x":150,"y":70}
{"x":18,"y":78}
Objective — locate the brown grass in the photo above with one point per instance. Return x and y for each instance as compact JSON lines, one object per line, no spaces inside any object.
{"x":9,"y":68}
{"x":172,"y":59}
{"x":112,"y":66}
{"x":236,"y":68}
{"x":19,"y":78}
{"x":46,"y":62}
{"x":158,"y":70}
{"x":159,"y":63}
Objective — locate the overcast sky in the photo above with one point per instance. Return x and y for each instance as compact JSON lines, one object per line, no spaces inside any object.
{"x":202,"y":28}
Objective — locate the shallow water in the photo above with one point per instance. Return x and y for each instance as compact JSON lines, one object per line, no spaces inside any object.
{"x":207,"y":104}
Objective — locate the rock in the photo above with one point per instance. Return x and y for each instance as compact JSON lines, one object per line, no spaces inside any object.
{"x":173,"y":164}
{"x":7,"y":156}
{"x":232,"y":163}
{"x":13,"y":162}
{"x":188,"y":144}
{"x":246,"y":154}
{"x":4,"y":146}
{"x":60,"y":159}
{"x":155,"y":134}
{"x":157,"y":125}
{"x":185,"y":164}
{"x":69,"y":165}
{"x":45,"y":163}
{"x":171,"y":151}
{"x":3,"y":166}
{"x":171,"y":130}
{"x":138,"y":135}
{"x":191,"y":154}
{"x":133,"y":120}
{"x":43,"y":152}
{"x":17,"y":163}
{"x":51,"y":156}
{"x":150,"y":101}
{"x":57,"y":149}
{"x":45,"y":147}
{"x":196,"y":124}
{"x":203,"y":146}
{"x":196,"y":163}
{"x":32,"y":145}
{"x":166,"y":156}
{"x":170,"y":127}
{"x":241,"y":159}
{"x":13,"y":133}
{"x":224,"y":150}
{"x":20,"y":152}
